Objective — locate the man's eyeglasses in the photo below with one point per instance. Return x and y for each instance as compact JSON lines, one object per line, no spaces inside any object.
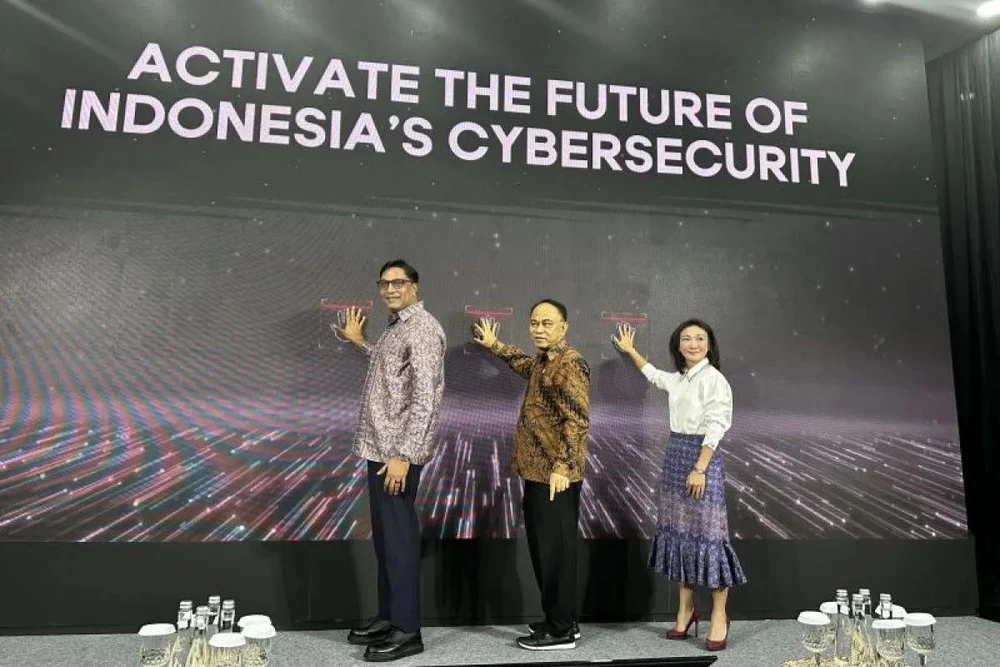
{"x":399,"y":283}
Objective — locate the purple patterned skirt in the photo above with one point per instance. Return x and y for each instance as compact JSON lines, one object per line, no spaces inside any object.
{"x":692,"y":536}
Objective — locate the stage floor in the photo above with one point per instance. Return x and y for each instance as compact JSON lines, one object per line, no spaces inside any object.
{"x":966,"y":641}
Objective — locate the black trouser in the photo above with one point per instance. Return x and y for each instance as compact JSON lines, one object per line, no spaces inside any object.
{"x":396,"y":534}
{"x":551,"y":526}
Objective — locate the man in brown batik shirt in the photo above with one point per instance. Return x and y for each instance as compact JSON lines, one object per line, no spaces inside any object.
{"x":550,"y":452}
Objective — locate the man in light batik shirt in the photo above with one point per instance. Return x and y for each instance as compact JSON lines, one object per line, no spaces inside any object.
{"x":397,"y":435}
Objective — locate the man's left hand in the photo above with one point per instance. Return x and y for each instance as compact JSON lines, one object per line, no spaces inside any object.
{"x":395,"y":475}
{"x":557,"y":484}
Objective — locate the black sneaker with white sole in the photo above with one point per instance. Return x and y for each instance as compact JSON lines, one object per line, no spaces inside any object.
{"x":539,"y":625}
{"x":543,"y":641}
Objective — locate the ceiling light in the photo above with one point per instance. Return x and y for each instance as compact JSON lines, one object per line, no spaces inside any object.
{"x":989,"y":10}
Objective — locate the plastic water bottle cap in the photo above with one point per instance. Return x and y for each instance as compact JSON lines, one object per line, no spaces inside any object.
{"x":829,"y":608}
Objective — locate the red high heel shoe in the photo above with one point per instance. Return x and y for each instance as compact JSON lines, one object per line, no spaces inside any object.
{"x":711,"y":645}
{"x":683,"y":634}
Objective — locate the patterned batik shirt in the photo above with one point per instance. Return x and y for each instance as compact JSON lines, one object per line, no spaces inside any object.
{"x":404,"y":387}
{"x":552,"y":428}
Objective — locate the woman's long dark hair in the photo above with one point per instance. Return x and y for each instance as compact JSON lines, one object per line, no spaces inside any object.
{"x":680,"y":363}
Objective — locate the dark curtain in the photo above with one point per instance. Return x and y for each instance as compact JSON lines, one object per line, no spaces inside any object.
{"x":964,"y":91}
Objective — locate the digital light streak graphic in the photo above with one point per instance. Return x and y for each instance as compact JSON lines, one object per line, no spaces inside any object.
{"x":212,"y":485}
{"x":172,"y":378}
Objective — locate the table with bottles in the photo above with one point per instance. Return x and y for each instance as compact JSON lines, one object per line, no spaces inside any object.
{"x":847,"y":632}
{"x":208,"y":636}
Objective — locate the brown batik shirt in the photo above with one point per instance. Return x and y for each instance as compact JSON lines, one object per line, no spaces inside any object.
{"x":552,"y":428}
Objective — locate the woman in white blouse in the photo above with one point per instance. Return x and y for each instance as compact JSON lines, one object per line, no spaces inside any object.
{"x":691,"y":545}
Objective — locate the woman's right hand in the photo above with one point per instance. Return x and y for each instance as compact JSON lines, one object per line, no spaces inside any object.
{"x":625,"y":340}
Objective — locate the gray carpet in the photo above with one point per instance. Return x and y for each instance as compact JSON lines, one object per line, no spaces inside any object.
{"x":964,"y":642}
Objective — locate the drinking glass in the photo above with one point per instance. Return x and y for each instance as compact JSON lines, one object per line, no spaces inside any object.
{"x":920,"y":634}
{"x":817,"y":632}
{"x":259,"y":651}
{"x":226,"y":649}
{"x":156,"y":642}
{"x":890,"y":637}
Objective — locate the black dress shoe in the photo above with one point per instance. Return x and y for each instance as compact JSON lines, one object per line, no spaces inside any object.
{"x":542,"y":640}
{"x":370,"y":631}
{"x":540,"y":625}
{"x":396,"y":645}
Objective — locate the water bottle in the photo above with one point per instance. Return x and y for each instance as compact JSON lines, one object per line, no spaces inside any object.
{"x":862,"y":648}
{"x":842,"y":642}
{"x":214,"y":606}
{"x":885,"y":605}
{"x":227,"y":619}
{"x":185,"y":633}
{"x":866,"y":598}
{"x":198,"y":655}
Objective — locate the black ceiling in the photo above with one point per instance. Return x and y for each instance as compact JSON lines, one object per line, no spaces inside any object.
{"x":944,"y":25}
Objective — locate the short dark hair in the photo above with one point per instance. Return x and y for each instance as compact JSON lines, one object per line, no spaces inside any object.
{"x":675,"y":344}
{"x":411,"y":273}
{"x":552,"y":302}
